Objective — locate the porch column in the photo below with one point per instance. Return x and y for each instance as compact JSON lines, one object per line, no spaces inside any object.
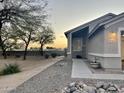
{"x":71,"y":44}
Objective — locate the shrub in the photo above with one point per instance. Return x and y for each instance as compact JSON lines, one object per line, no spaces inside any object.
{"x":46,"y":56}
{"x":10,"y":69}
{"x":53,"y":55}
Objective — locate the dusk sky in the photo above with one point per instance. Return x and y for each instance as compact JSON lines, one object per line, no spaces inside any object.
{"x":67,"y":14}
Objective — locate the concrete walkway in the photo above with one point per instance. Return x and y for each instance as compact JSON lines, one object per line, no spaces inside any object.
{"x":81,"y":70}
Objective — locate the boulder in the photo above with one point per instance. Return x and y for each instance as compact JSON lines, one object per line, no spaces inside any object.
{"x":100,"y":85}
{"x":101,"y":90}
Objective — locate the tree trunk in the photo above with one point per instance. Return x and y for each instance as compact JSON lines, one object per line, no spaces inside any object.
{"x":1,"y":43}
{"x":3,"y":48}
{"x":41,"y":50}
{"x":4,"y":54}
{"x":26,"y":47}
{"x":25,"y":52}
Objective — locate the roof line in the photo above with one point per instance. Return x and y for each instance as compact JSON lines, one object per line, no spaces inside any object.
{"x":121,"y":15}
{"x":86,"y":24}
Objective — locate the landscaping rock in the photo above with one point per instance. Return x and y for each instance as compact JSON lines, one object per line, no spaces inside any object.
{"x":101,"y":90}
{"x":112,"y":89}
{"x":100,"y":85}
{"x":80,"y":87}
{"x":72,"y":89}
{"x":122,"y":90}
{"x":105,"y":86}
{"x":72,"y":84}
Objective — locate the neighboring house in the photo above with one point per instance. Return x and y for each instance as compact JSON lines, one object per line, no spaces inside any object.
{"x":102,"y":38}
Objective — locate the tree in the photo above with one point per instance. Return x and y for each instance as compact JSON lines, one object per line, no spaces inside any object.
{"x":8,"y":40}
{"x":47,"y":36}
{"x":26,"y":34}
{"x":16,"y":12}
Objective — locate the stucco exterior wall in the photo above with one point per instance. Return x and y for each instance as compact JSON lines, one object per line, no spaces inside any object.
{"x":110,"y":57}
{"x":96,"y":44}
{"x":112,"y":47}
{"x":100,"y":59}
{"x":96,"y":47}
{"x":112,"y":63}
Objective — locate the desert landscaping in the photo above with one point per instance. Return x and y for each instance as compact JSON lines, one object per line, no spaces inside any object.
{"x":29,"y":68}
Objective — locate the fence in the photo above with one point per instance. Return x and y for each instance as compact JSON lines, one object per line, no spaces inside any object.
{"x":32,"y":53}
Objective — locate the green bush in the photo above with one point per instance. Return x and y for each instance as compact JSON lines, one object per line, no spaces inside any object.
{"x":10,"y":69}
{"x":53,"y":55}
{"x":46,"y":56}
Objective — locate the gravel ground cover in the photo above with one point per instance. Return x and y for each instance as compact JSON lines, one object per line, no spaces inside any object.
{"x":29,"y":68}
{"x":55,"y":78}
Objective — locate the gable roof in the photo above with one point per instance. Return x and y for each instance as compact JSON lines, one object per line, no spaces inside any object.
{"x":113,"y":19}
{"x":106,"y":23}
{"x":88,"y":23}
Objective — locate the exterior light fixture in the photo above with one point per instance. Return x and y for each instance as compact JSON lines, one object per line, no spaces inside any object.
{"x":112,"y":36}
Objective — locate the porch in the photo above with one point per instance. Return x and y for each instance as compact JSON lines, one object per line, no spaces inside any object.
{"x":80,"y":69}
{"x":79,"y":43}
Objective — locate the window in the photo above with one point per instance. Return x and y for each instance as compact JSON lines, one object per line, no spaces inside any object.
{"x":77,"y":45}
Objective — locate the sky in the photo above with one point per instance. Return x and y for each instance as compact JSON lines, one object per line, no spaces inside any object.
{"x":67,"y":14}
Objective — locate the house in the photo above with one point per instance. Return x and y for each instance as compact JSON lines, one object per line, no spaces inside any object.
{"x":102,"y":38}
